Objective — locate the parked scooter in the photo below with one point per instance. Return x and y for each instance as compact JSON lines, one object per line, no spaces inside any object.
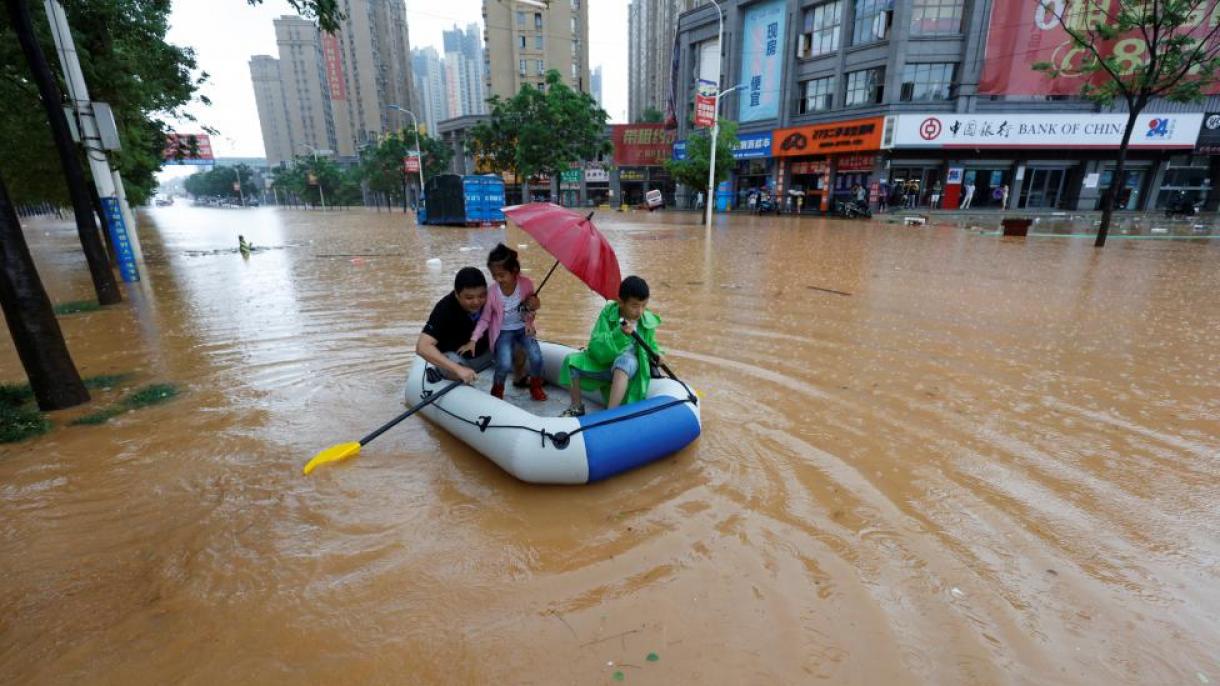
{"x":1179,"y":206}
{"x":766,"y":205}
{"x":852,"y":210}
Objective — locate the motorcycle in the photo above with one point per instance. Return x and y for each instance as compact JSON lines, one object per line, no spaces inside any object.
{"x":766,"y":205}
{"x":852,"y":210}
{"x":1180,"y":207}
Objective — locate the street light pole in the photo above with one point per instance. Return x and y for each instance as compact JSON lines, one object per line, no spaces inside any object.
{"x":419,"y":146}
{"x":711,"y":170}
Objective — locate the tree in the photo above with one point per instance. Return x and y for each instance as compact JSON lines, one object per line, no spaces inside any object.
{"x":325,"y":13}
{"x":1176,"y":55}
{"x":104,"y":285}
{"x":31,"y":319}
{"x":692,"y":171}
{"x":218,"y":183}
{"x":383,"y":168}
{"x":540,"y":132}
{"x":650,"y":115}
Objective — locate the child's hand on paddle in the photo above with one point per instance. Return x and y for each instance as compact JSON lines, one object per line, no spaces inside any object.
{"x":627,"y":326}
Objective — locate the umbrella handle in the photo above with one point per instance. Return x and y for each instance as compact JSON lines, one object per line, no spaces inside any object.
{"x":547,"y":278}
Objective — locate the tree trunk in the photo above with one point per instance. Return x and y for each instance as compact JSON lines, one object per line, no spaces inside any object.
{"x":31,"y":320}
{"x":1117,"y":183}
{"x":95,"y":253}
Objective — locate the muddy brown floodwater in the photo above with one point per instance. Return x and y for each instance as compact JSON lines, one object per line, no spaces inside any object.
{"x":929,"y":457}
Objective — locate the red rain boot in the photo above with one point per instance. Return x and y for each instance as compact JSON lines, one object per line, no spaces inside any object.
{"x":497,"y":391}
{"x":536,"y":391}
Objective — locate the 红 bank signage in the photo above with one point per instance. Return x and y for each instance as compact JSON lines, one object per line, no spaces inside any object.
{"x":1061,"y":131}
{"x":856,"y":135}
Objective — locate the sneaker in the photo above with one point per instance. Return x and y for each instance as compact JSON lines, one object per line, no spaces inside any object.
{"x":536,"y":391}
{"x":574,"y":411}
{"x":523,"y":382}
{"x":497,"y":391}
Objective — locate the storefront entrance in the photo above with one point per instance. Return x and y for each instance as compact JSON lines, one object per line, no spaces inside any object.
{"x":1129,"y":198}
{"x":1188,"y":177}
{"x":986,"y":183}
{"x":924,"y":178}
{"x":1042,"y":188}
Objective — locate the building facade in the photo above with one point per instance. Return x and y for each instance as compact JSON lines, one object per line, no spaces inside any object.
{"x":428,"y":73}
{"x":526,"y":38}
{"x":466,"y":83}
{"x":921,"y":101}
{"x":336,"y":89}
{"x":652,"y":35}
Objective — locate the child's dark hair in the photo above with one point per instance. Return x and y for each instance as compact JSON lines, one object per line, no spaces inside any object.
{"x":633,"y":287}
{"x":469,"y":277}
{"x":505,"y":256}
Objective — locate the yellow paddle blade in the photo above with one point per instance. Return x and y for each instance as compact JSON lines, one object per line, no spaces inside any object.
{"x":335,"y":453}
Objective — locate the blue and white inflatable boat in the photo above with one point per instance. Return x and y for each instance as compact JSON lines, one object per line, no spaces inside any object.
{"x":529,"y":440}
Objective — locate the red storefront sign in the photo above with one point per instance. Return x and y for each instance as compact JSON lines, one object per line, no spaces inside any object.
{"x":642,"y":145}
{"x":188,"y":148}
{"x":815,"y":167}
{"x":1026,"y":32}
{"x":411,"y":164}
{"x":333,"y":55}
{"x":856,"y":163}
{"x":856,"y":135}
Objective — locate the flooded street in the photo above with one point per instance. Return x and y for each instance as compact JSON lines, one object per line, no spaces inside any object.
{"x":929,"y":456}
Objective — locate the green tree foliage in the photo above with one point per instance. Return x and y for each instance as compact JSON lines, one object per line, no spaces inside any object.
{"x":218,"y":182}
{"x":692,"y":171}
{"x":382,"y":166}
{"x":127,"y":63}
{"x":1134,"y":51}
{"x":325,"y":13}
{"x":308,"y":179}
{"x":650,"y":115}
{"x":541,"y":132}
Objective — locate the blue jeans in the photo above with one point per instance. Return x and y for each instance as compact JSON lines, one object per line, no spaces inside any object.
{"x":504,"y":354}
{"x":627,"y":362}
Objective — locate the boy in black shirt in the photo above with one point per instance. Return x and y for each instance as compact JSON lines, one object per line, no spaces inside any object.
{"x":452,"y":323}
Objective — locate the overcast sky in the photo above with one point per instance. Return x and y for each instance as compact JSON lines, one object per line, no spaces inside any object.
{"x":225,"y":33}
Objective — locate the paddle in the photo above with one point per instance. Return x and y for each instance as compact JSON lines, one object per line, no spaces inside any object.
{"x":343,"y":451}
{"x":652,"y":354}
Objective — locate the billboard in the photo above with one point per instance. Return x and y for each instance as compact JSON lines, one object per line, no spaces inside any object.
{"x":1056,"y":131}
{"x":188,"y":148}
{"x":642,"y":145}
{"x":762,"y":61}
{"x":705,"y":104}
{"x":333,"y":56}
{"x":855,"y":135}
{"x":1026,"y":32}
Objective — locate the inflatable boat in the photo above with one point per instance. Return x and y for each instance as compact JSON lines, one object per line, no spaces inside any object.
{"x":529,"y":439}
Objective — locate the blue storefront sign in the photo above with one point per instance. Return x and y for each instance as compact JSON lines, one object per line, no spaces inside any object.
{"x":118,"y":236}
{"x":750,"y":146}
{"x":762,"y":63}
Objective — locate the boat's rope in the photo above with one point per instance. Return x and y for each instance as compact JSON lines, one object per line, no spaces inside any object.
{"x":559,"y":439}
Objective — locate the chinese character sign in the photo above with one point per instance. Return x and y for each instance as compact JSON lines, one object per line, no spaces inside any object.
{"x":705,"y":104}
{"x":762,"y":64}
{"x":411,"y":164}
{"x":188,"y":148}
{"x":123,"y":251}
{"x":1026,"y":32}
{"x":333,"y":55}
{"x":642,"y":145}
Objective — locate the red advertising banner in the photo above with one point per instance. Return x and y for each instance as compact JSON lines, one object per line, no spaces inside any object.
{"x":411,"y":164}
{"x":705,"y":105}
{"x":333,"y":55}
{"x":188,"y":148}
{"x":1026,"y":32}
{"x":642,"y":145}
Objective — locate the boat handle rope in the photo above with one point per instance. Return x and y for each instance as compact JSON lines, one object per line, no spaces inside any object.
{"x":559,"y":439}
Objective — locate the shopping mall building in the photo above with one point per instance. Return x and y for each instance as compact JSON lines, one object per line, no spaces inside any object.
{"x":835,"y":93}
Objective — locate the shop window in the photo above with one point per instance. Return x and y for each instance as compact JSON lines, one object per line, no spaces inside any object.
{"x":929,"y":17}
{"x":816,"y":95}
{"x":922,"y":82}
{"x":865,"y":87}
{"x":873,"y":19}
{"x":820,"y":31}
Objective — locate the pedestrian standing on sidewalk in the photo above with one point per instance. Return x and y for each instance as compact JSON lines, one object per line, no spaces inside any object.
{"x":969,"y":195}
{"x":883,"y":196}
{"x":1004,"y":197}
{"x":936,"y":196}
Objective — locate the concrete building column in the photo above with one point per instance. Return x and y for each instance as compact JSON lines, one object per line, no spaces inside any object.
{"x":1019,"y":166}
{"x":1156,"y":178}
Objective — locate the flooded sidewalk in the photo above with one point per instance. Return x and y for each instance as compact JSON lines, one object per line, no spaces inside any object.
{"x":929,"y":456}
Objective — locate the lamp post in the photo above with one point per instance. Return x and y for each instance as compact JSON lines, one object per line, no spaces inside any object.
{"x":711,"y":170}
{"x":321,"y":193}
{"x":419,"y":145}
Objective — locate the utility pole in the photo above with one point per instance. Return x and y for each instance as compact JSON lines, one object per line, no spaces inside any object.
{"x":117,"y":215}
{"x":91,"y":242}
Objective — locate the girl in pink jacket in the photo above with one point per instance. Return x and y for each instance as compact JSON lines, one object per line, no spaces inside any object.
{"x":508,"y":318}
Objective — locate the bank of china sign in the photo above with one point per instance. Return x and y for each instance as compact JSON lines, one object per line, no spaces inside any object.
{"x":1051,"y":131}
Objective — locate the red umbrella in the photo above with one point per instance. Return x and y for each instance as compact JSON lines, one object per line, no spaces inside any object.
{"x":574,"y":242}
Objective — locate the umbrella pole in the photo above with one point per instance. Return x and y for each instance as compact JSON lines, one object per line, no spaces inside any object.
{"x":547,"y":278}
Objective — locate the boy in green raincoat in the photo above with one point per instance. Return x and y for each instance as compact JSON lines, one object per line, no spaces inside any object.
{"x":612,"y":362}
